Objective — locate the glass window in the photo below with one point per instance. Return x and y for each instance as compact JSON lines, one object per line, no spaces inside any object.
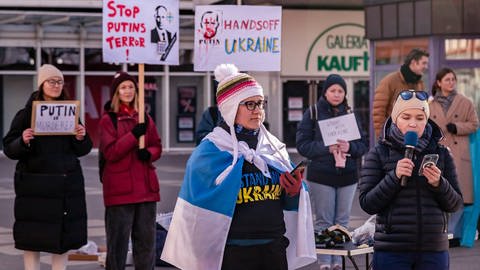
{"x":462,"y":49}
{"x":186,"y":94}
{"x":393,"y":52}
{"x":389,"y":27}
{"x":17,"y":58}
{"x":468,"y":83}
{"x":63,"y":58}
{"x":447,"y":17}
{"x":94,"y":61}
{"x":372,"y":17}
{"x":185,"y":61}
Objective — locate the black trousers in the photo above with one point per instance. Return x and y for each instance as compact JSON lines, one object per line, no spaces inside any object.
{"x":271,"y":256}
{"x":138,"y":222}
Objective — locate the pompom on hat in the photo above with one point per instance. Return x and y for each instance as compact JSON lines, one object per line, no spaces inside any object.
{"x":233,"y":87}
{"x":47,"y":71}
{"x":120,"y":77}
{"x":412,"y":103}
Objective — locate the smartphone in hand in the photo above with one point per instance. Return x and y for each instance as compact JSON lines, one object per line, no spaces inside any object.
{"x":427,"y":161}
{"x":301,"y":166}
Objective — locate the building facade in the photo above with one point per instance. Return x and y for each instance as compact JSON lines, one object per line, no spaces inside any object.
{"x":68,"y":35}
{"x":448,"y":29}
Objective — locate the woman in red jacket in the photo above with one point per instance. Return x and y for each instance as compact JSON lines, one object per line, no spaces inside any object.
{"x":130,"y":184}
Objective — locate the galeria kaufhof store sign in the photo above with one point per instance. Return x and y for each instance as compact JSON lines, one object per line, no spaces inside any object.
{"x":319,"y":42}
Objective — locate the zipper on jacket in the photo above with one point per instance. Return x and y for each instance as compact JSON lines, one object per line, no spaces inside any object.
{"x":445,"y":222}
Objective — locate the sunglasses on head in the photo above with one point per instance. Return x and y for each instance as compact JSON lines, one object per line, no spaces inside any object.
{"x":408,"y":94}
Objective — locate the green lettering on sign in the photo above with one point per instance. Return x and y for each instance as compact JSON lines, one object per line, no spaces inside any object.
{"x":342,"y":63}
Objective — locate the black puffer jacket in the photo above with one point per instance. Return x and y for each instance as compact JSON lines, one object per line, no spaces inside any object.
{"x":411,"y":218}
{"x":50,"y":208}
{"x":310,"y":145}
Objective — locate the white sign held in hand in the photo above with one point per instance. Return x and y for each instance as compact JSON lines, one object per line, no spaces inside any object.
{"x":342,"y":127}
{"x":55,"y":117}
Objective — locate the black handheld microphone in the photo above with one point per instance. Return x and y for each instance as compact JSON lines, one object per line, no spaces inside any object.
{"x":410,"y":140}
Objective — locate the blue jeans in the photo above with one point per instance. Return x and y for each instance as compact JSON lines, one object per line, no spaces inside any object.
{"x":411,"y":260}
{"x":331,"y":205}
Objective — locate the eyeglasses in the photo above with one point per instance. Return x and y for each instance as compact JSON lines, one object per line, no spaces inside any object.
{"x":251,"y":105}
{"x":55,"y":82}
{"x":408,"y":94}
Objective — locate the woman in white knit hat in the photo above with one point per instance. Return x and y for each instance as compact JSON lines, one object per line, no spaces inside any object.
{"x":50,"y":209}
{"x":411,"y":223}
{"x":239,"y":207}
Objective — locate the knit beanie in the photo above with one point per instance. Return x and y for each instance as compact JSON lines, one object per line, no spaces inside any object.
{"x":120,"y":77}
{"x":233,"y":87}
{"x":413,"y":103}
{"x":334,"y":79}
{"x":47,"y":71}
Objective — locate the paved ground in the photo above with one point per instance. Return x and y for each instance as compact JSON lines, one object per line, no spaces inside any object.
{"x":170,"y":171}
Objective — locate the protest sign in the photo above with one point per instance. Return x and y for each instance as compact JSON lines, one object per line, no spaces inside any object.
{"x":144,"y":32}
{"x":342,"y":127}
{"x":248,"y":36}
{"x":55,"y":117}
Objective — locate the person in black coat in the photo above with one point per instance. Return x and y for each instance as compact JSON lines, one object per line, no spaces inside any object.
{"x":332,"y":174}
{"x":50,"y":208}
{"x":411,"y":222}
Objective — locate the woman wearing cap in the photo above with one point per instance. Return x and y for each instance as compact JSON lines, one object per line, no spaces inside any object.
{"x":50,"y":209}
{"x":130,"y":184}
{"x":411,"y":223}
{"x":239,"y":207}
{"x":332,"y":175}
{"x":455,"y":114}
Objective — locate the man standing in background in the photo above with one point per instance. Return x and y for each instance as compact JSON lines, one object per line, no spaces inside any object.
{"x":409,"y":76}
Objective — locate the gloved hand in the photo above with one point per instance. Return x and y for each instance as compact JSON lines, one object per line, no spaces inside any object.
{"x":143,"y":154}
{"x":291,"y":184}
{"x":452,"y":128}
{"x":139,"y":130}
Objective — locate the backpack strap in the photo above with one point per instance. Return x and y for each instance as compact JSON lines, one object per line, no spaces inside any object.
{"x":113,"y":117}
{"x":313,"y":112}
{"x":214,"y":114}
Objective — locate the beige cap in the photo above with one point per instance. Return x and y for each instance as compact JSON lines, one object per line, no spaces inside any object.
{"x":413,"y":103}
{"x":47,"y":71}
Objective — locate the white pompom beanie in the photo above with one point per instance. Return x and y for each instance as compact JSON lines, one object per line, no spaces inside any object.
{"x":233,"y":87}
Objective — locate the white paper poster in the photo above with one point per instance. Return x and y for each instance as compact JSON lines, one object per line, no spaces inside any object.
{"x":342,"y":127}
{"x":141,"y":31}
{"x":247,"y":36}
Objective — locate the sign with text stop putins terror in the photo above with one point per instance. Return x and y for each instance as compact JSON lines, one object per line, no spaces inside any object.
{"x":143,"y":32}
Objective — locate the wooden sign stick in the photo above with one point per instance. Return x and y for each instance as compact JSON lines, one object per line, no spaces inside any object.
{"x":141,"y":101}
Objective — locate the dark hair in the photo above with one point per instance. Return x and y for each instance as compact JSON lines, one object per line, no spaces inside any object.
{"x":440,"y":74}
{"x":415,"y":54}
{"x":159,"y":7}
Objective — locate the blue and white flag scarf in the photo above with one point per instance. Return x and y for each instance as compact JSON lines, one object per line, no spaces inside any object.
{"x":203,"y":213}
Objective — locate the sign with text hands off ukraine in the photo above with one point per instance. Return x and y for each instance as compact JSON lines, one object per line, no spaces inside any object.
{"x":248,"y":36}
{"x":143,"y":32}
